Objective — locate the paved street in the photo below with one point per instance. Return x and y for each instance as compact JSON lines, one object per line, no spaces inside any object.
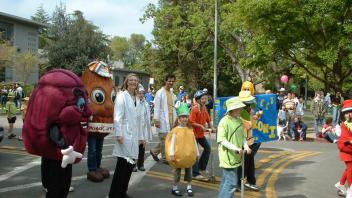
{"x":284,"y":169}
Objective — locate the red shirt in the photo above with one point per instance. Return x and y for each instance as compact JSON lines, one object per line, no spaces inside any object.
{"x":344,"y":144}
{"x":199,"y":116}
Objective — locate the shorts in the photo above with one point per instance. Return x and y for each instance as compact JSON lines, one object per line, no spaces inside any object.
{"x":11,"y":120}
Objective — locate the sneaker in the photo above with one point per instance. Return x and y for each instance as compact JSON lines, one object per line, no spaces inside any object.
{"x":251,"y":187}
{"x":155,"y":157}
{"x":11,"y":136}
{"x":190,"y":192}
{"x":341,"y":193}
{"x":71,"y":189}
{"x":340,"y":187}
{"x":200,"y":178}
{"x":95,"y":176}
{"x":20,"y":138}
{"x":176,"y":193}
{"x":204,"y":174}
{"x":335,"y":141}
{"x":45,"y":189}
{"x":141,"y":168}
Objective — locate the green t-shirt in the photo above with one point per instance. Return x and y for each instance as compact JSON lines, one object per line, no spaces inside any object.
{"x":11,"y":109}
{"x":230,"y":129}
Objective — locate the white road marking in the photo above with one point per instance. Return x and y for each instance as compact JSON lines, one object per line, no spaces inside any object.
{"x":20,"y":169}
{"x":135,"y":178}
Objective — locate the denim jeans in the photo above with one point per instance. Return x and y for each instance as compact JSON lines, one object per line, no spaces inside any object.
{"x":318,"y":125}
{"x":204,"y":158}
{"x":228,"y":183}
{"x":335,"y":115}
{"x":95,"y":147}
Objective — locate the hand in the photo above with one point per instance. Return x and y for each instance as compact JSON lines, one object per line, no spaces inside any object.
{"x":142,"y":142}
{"x":248,"y":151}
{"x":203,"y":128}
{"x":350,"y":141}
{"x":241,"y":152}
{"x":157,"y":123}
{"x":69,"y":156}
{"x":120,"y":139}
{"x":172,"y":157}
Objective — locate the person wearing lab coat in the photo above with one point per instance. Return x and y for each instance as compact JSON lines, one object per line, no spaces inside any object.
{"x":164,"y":115}
{"x":126,"y":132}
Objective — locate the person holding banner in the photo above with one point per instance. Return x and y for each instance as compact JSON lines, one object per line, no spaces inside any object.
{"x":247,"y":116}
{"x":231,"y":140}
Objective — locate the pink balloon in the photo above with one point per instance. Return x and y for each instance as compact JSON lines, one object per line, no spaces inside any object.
{"x":284,"y":79}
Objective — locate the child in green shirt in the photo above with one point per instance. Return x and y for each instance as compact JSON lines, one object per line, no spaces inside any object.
{"x":231,"y":142}
{"x":11,"y":114}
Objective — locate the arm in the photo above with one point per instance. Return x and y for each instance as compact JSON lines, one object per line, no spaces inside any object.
{"x":119,"y":112}
{"x":172,"y":147}
{"x":157,"y":108}
{"x":55,"y":136}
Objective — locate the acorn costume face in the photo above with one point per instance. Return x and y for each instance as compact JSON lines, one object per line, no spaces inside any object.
{"x":97,"y":79}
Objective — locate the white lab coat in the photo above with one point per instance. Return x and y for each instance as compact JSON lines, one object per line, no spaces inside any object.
{"x":126,"y":125}
{"x":161,"y":111}
{"x":143,"y":117}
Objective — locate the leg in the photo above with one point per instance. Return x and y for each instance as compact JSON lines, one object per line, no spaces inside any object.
{"x":58,"y":179}
{"x":140,"y":161}
{"x":121,"y":178}
{"x":204,"y":158}
{"x":316,"y":128}
{"x":92,"y":153}
{"x":228,"y":183}
{"x":162,"y":137}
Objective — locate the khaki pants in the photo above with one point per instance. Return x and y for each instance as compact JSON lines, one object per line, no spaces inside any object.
{"x":160,"y":148}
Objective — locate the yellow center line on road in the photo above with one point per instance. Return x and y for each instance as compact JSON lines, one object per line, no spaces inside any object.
{"x":270,"y":188}
{"x":16,"y":152}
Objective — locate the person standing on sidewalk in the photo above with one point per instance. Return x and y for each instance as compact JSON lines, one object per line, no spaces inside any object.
{"x":231,"y":140}
{"x":318,"y":110}
{"x":11,"y":114}
{"x":336,"y":101}
{"x":164,"y":115}
{"x":199,"y":118}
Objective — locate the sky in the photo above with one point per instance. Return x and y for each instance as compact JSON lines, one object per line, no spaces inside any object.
{"x":113,"y":17}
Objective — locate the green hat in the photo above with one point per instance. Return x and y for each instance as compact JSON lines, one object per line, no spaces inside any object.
{"x":233,"y":103}
{"x":11,"y":95}
{"x":182,"y":109}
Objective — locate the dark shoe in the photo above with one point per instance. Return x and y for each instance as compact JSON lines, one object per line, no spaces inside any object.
{"x":176,"y":193}
{"x":11,"y":136}
{"x":190,"y":192}
{"x":95,"y":176}
{"x":155,"y":157}
{"x":104,"y":172}
{"x":141,"y":168}
{"x":134,"y":169}
{"x":127,"y":196}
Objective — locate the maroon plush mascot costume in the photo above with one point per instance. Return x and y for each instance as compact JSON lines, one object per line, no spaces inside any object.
{"x":55,"y":127}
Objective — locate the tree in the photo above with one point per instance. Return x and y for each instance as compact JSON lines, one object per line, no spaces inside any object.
{"x":76,"y":42}
{"x":42,"y":16}
{"x":24,"y":65}
{"x":128,"y":50}
{"x":313,"y":35}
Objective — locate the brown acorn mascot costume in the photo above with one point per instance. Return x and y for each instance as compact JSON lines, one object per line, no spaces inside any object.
{"x":97,"y":79}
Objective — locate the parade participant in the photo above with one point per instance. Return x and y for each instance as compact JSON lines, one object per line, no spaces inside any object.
{"x":126,"y":132}
{"x":345,"y":146}
{"x":248,"y":116}
{"x":56,"y":120}
{"x":11,"y":114}
{"x":231,"y":140}
{"x":144,"y":129}
{"x":181,"y":150}
{"x":199,"y":120}
{"x":164,"y":115}
{"x":97,"y":79}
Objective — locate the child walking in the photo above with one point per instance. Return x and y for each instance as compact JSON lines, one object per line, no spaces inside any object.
{"x":232,"y":146}
{"x":181,"y":150}
{"x":11,"y":114}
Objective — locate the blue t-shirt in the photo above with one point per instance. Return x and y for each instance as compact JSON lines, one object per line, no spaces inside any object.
{"x":149,"y":97}
{"x":180,"y":95}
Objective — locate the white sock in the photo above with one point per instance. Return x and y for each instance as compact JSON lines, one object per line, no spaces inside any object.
{"x":189,"y":186}
{"x":174,"y":187}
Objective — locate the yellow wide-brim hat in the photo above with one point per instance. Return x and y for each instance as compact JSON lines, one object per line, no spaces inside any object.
{"x":246,"y":96}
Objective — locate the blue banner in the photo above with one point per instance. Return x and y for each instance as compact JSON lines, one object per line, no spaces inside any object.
{"x":264,"y":129}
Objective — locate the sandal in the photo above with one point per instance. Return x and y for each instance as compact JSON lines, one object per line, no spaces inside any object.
{"x":190,"y":192}
{"x":176,"y":193}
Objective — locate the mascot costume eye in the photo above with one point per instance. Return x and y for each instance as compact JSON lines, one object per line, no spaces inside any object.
{"x":55,"y":127}
{"x":97,"y":79}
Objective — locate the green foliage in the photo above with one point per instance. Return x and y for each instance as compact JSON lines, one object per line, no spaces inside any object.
{"x":28,"y":89}
{"x":42,"y":16}
{"x":75,"y":41}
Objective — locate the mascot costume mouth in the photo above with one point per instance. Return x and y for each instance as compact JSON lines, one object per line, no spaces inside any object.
{"x":55,"y":127}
